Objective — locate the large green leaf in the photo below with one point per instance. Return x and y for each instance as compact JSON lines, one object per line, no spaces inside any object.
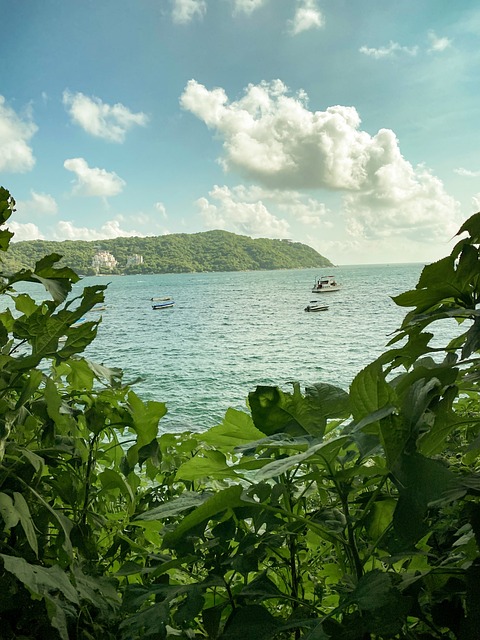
{"x":274,"y":411}
{"x":322,"y":451}
{"x":370,"y":392}
{"x":186,"y":501}
{"x":26,"y":521}
{"x":218,"y":503}
{"x":236,"y":429}
{"x":252,"y":622}
{"x":146,"y":417}
{"x":420,"y":481}
{"x":210,"y":464}
{"x":40,"y":580}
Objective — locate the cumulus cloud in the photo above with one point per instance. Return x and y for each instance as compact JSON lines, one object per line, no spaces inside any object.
{"x":274,"y":140}
{"x":93,"y":181}
{"x":438,"y":44}
{"x":307,"y":210}
{"x":110,"y":122}
{"x":400,"y":201}
{"x":307,"y":16}
{"x":184,"y":11}
{"x":389,"y":51}
{"x":66,"y":230}
{"x":247,"y":218}
{"x":24,"y":231}
{"x":16,"y":155}
{"x":39,"y":204}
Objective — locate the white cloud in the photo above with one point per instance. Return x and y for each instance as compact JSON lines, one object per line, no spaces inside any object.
{"x":401,"y":201}
{"x":100,"y":119}
{"x":274,"y":140}
{"x":66,"y":230}
{"x":93,"y":181}
{"x":24,"y":231}
{"x":39,"y":204}
{"x":468,"y":173}
{"x":184,"y":11}
{"x":248,"y":6}
{"x":160,"y":207}
{"x":388,"y":51}
{"x":247,"y":218}
{"x":302,"y":208}
{"x":16,"y":155}
{"x":438,"y":44}
{"x":476,"y":202}
{"x":307,"y":16}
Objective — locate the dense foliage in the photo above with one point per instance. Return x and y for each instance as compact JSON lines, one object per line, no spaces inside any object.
{"x":322,"y":514}
{"x":174,"y":253}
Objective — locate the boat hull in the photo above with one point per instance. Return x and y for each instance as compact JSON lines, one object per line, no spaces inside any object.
{"x":316,"y":307}
{"x":325,"y":289}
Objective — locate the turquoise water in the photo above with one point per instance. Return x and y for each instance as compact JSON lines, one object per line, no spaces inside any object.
{"x":229,"y":332}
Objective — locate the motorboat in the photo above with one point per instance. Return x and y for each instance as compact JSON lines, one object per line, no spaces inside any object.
{"x":325,"y":284}
{"x":160,"y":299}
{"x":316,"y":306}
{"x":166,"y":304}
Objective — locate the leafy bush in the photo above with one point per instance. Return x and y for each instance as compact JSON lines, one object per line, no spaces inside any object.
{"x":320,"y":514}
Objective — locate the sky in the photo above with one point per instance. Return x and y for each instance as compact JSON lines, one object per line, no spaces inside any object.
{"x":350,"y":126}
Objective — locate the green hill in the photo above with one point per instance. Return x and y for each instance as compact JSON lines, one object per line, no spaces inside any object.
{"x":174,"y":253}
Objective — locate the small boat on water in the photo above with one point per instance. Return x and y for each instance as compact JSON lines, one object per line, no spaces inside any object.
{"x":159,"y":299}
{"x":316,"y":306}
{"x":325,"y":284}
{"x":166,"y":304}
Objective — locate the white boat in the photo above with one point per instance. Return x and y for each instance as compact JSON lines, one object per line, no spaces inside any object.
{"x":159,"y":299}
{"x":325,"y":284}
{"x":316,"y":306}
{"x":167,"y":304}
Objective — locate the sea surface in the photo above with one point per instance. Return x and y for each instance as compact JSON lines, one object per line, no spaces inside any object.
{"x":229,"y":332}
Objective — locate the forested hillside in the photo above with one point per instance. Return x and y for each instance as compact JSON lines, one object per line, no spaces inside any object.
{"x":175,"y":253}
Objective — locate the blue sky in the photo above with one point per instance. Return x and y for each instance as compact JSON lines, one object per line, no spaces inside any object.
{"x":350,"y":126}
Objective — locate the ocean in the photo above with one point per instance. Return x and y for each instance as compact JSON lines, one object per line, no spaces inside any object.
{"x":229,"y":332}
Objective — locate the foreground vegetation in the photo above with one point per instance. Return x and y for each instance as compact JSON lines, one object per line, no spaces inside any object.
{"x":322,"y":514}
{"x":174,"y":253}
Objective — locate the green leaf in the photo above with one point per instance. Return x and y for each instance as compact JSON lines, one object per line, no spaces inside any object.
{"x":26,"y":521}
{"x":111,"y":479}
{"x":327,"y":449}
{"x":380,"y":517}
{"x":211,"y":464}
{"x":372,"y":590}
{"x":8,"y":511}
{"x":29,"y":388}
{"x":420,"y":481}
{"x":221,"y":501}
{"x":262,"y":588}
{"x":237,"y":428}
{"x":57,"y":616}
{"x":40,"y":580}
{"x":190,"y":607}
{"x":187,"y":500}
{"x":146,"y":416}
{"x":369,"y":392}
{"x":252,"y":622}
{"x":25,"y":304}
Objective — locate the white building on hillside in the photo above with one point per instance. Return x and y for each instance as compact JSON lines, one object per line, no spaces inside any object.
{"x":103,"y":261}
{"x":133,"y":261}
